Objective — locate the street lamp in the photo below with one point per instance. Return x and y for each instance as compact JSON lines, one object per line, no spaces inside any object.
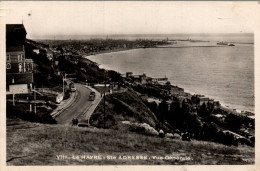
{"x":35,"y":110}
{"x":13,"y":92}
{"x":63,"y":84}
{"x":64,"y":79}
{"x":105,"y":101}
{"x":105,"y":106}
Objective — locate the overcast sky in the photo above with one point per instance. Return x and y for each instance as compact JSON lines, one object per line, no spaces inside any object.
{"x":106,"y":18}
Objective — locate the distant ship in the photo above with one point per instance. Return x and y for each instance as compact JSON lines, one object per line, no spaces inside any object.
{"x":230,"y":44}
{"x":222,"y":43}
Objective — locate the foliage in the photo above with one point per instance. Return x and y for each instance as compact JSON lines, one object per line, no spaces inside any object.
{"x":203,"y":111}
{"x":22,"y":111}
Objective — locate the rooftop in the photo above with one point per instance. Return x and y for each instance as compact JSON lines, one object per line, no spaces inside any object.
{"x":15,"y":34}
{"x":15,"y":28}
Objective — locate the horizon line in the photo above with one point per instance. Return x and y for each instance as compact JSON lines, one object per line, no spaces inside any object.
{"x":129,"y":35}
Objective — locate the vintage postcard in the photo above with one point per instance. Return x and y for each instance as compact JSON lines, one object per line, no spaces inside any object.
{"x":129,"y":85}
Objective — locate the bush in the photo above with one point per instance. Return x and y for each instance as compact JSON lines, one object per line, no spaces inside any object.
{"x":22,"y":111}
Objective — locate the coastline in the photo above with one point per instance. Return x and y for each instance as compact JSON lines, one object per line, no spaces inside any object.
{"x":224,"y":106}
{"x":228,"y":106}
{"x":189,"y":46}
{"x":110,"y":51}
{"x":162,"y":46}
{"x":158,"y":46}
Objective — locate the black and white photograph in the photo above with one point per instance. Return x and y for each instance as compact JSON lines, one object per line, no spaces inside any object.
{"x":138,"y":83}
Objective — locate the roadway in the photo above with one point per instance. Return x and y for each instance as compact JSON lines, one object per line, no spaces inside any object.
{"x":78,"y":108}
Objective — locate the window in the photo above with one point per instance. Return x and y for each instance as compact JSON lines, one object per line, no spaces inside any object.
{"x":8,"y":57}
{"x":8,"y":66}
{"x":28,"y":67}
{"x":20,"y":57}
{"x":20,"y":67}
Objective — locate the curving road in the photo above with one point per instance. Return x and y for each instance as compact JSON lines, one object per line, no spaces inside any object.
{"x":79,"y":107}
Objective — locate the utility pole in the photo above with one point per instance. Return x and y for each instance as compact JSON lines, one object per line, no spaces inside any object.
{"x":64,"y":78}
{"x":13,"y":93}
{"x":35,"y":100}
{"x":30,"y":104}
{"x":30,"y":107}
{"x":13,"y":99}
{"x":105,"y":107}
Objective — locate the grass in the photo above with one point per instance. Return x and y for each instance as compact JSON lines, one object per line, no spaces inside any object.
{"x":121,"y":107}
{"x":39,"y":144}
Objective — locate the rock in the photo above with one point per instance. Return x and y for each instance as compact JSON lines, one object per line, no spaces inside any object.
{"x":161,"y":134}
{"x":148,"y":129}
{"x":176,"y":136}
{"x":169,"y":135}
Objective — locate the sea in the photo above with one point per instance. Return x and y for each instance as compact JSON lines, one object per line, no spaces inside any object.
{"x":224,"y":73}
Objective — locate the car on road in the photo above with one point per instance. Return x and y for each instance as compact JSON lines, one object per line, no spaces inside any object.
{"x":92,"y":96}
{"x":83,"y":123}
{"x":72,"y":87}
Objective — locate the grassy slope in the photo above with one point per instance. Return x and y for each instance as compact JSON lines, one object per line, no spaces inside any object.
{"x":121,"y":107}
{"x":38,"y":144}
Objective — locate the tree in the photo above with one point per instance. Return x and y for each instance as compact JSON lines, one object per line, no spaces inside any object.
{"x":163,"y":110}
{"x":168,"y":85}
{"x":153,"y":107}
{"x":203,"y":111}
{"x":114,"y":76}
{"x":175,"y":116}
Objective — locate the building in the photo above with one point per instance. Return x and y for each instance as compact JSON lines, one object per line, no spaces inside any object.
{"x":19,"y":70}
{"x":143,"y":78}
{"x":220,"y":117}
{"x":49,"y":55}
{"x":216,"y":105}
{"x":159,"y":79}
{"x":129,"y":74}
{"x":37,"y":51}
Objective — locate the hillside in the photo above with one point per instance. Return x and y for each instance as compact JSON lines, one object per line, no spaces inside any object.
{"x":27,"y":144}
{"x":126,"y":106}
